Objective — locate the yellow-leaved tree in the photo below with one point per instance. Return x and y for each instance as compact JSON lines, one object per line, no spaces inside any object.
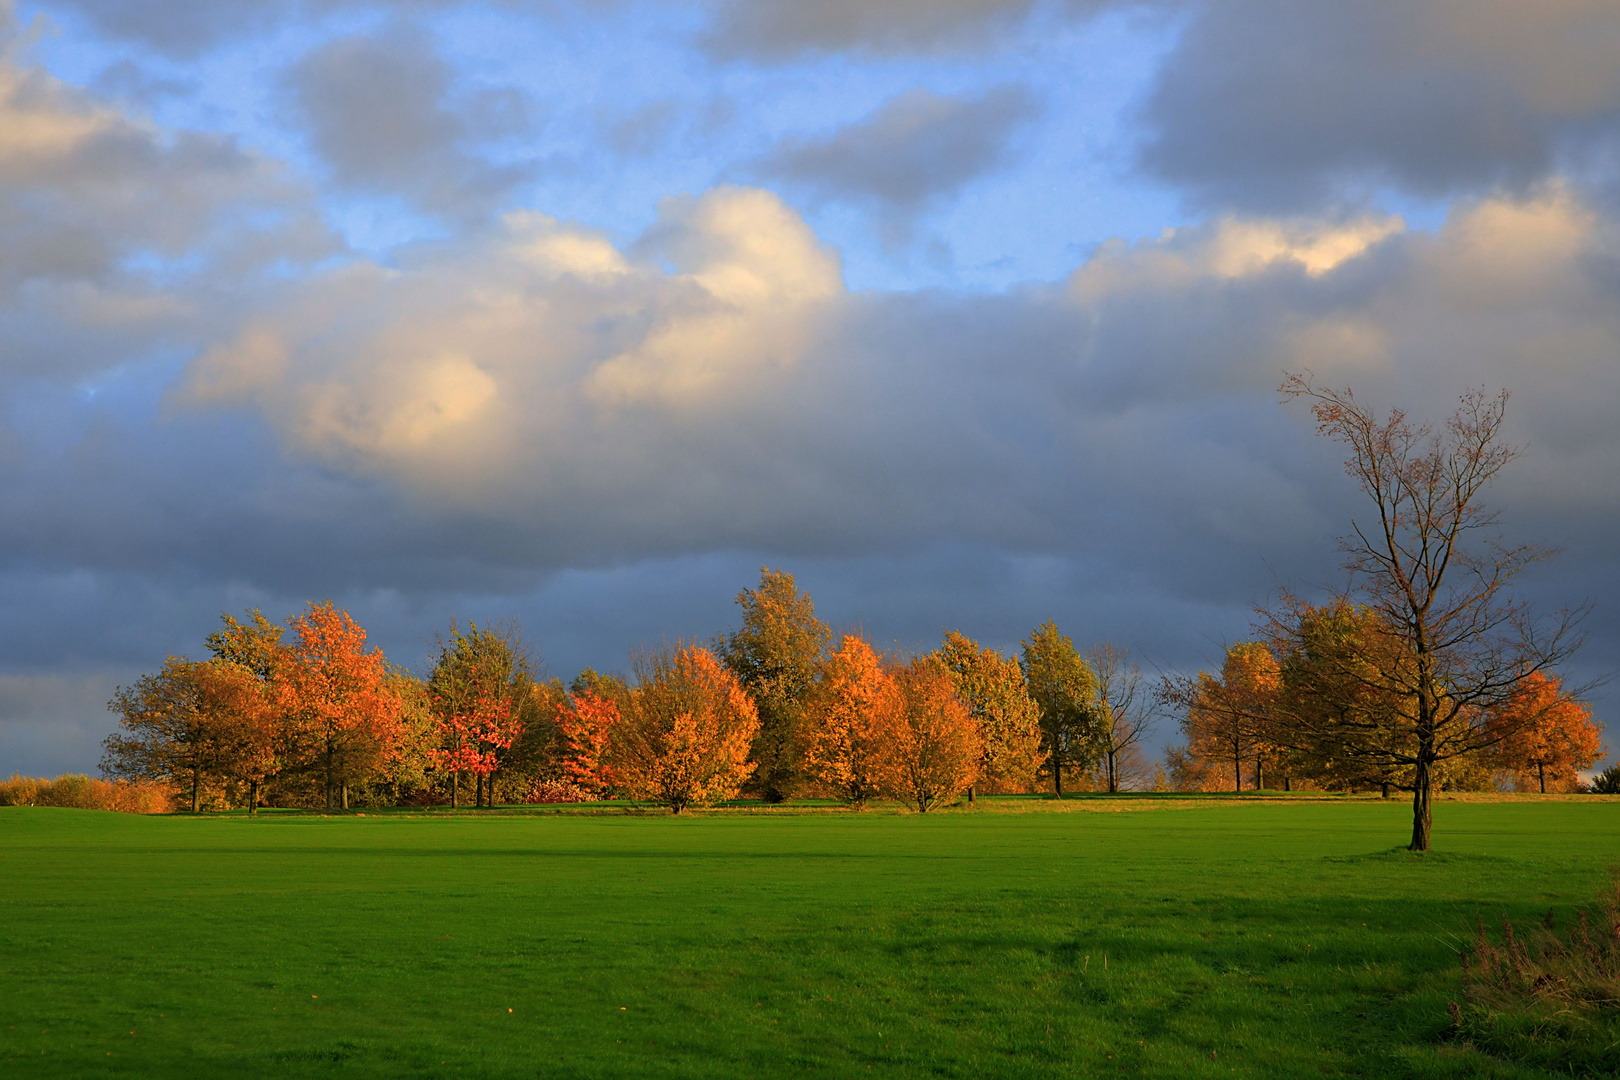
{"x":685,"y":732}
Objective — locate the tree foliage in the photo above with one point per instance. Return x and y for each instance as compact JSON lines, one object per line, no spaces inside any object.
{"x":850,"y":722}
{"x":993,"y":688}
{"x":1064,"y":690}
{"x":776,"y":654}
{"x":686,"y":730}
{"x":936,"y":749}
{"x":1550,"y":735}
{"x":333,"y":690}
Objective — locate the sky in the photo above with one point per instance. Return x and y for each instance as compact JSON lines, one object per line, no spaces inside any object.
{"x":576,"y":313}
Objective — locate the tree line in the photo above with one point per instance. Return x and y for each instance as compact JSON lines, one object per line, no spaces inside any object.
{"x":1423,"y":673}
{"x":306,"y":713}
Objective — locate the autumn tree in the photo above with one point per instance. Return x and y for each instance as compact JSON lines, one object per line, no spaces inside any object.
{"x":587,"y":719}
{"x":1124,"y":707}
{"x":1225,"y":717}
{"x":686,"y":730}
{"x":248,"y":655}
{"x":1331,"y":719}
{"x":1063,"y":689}
{"x":775,"y":654}
{"x":850,"y":722}
{"x":936,"y":749}
{"x":1432,"y":566}
{"x":334,"y":690}
{"x":993,"y":688}
{"x":175,"y":728}
{"x":478,"y":685}
{"x":1550,"y":734}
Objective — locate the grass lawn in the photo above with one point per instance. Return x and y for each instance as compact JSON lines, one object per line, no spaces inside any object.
{"x":1178,"y":938}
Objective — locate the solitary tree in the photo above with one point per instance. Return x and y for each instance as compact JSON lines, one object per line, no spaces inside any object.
{"x":1225,"y":717}
{"x":1063,"y":688}
{"x":1433,"y":568}
{"x":776,"y":653}
{"x":850,"y":722}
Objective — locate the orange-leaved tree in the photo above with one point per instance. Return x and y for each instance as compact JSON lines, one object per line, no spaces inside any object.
{"x":1551,"y":734}
{"x":587,"y":720}
{"x":173,"y":734}
{"x":334,"y":691}
{"x":850,"y":722}
{"x":686,"y":730}
{"x":1225,"y":719}
{"x":937,"y":750}
{"x":246,"y":657}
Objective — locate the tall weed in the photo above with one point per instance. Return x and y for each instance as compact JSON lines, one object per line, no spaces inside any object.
{"x":1548,"y":997}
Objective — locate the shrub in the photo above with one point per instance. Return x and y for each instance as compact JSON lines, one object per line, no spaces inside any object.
{"x":557,"y":791}
{"x":1607,"y":782}
{"x":1547,"y":999}
{"x":86,"y":793}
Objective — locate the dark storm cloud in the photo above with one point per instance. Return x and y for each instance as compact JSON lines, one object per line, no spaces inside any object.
{"x":382,"y":114}
{"x":784,"y":29}
{"x":917,"y":149}
{"x":1275,"y":104}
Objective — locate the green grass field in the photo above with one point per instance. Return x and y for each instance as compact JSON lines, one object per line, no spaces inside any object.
{"x":1179,"y":938}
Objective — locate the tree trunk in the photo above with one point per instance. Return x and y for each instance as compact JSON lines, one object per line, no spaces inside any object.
{"x":970,"y":794}
{"x":196,"y":785}
{"x":1057,"y":773}
{"x":478,"y":791}
{"x":1541,"y":774}
{"x":1259,"y":773}
{"x":1237,"y":770}
{"x":1288,"y":783}
{"x":455,"y":790}
{"x":329,"y":778}
{"x":345,"y":794}
{"x":1383,"y":789}
{"x":253,"y":796}
{"x":1422,"y":819}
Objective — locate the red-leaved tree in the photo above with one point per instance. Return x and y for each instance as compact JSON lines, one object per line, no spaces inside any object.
{"x":586,"y":721}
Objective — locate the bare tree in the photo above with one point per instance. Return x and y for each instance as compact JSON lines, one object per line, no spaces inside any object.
{"x":1126,"y":707}
{"x":1451,"y":647}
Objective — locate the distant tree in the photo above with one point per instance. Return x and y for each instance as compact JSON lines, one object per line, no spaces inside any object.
{"x":1225,"y":718}
{"x":170,"y":729}
{"x":1064,"y":689}
{"x":1551,"y":734}
{"x":850,"y":722}
{"x":776,"y":654}
{"x":264,"y":742}
{"x":334,"y":690}
{"x":478,"y":683}
{"x":993,"y":688}
{"x":936,"y":750}
{"x":587,"y":720}
{"x":1457,"y":648}
{"x":1124,"y":707}
{"x":686,"y":729}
